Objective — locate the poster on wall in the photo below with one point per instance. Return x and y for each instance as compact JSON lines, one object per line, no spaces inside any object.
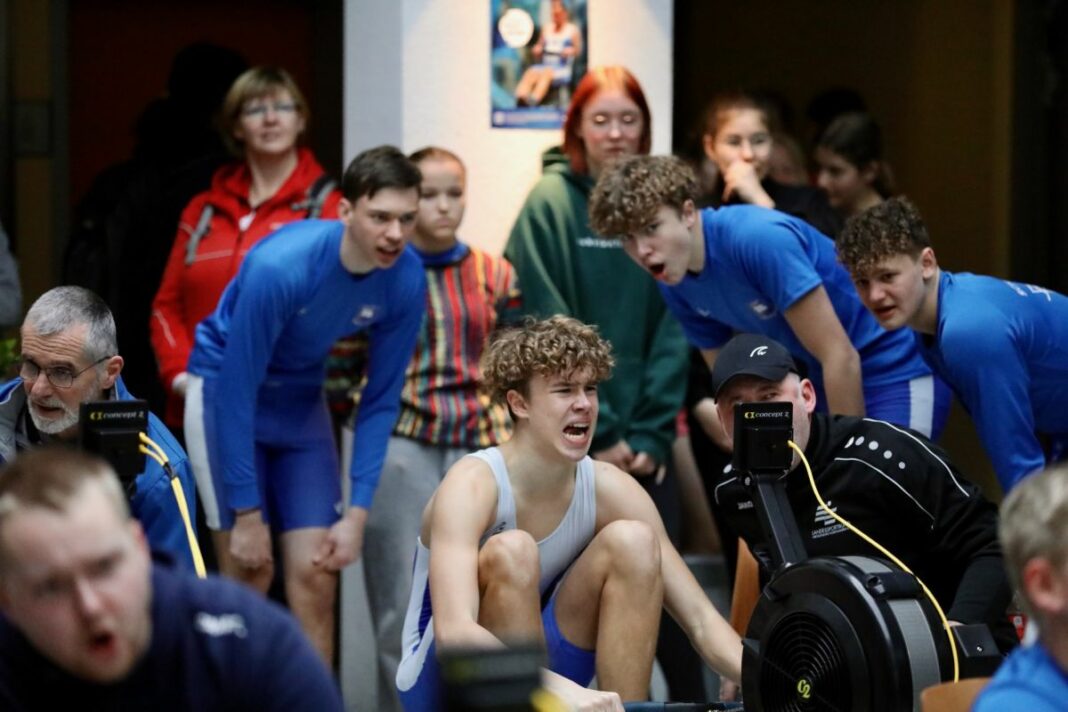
{"x":537,"y":56}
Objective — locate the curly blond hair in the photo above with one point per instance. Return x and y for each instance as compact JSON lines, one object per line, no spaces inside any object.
{"x":629,"y":194}
{"x":557,"y":345}
{"x":891,"y":228}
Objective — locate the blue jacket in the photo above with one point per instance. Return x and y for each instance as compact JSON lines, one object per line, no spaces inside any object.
{"x":153,"y":504}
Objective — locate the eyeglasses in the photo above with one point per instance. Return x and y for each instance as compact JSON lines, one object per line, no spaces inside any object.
{"x":260,"y":110}
{"x":58,"y":376}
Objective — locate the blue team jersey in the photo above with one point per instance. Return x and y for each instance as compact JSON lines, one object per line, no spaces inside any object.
{"x":758,"y":264}
{"x":1029,"y":679}
{"x":274,"y":326}
{"x":1003,"y":348}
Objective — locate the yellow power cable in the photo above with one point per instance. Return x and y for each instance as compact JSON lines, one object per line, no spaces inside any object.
{"x":879,"y":547}
{"x":541,"y":700}
{"x":153,"y":450}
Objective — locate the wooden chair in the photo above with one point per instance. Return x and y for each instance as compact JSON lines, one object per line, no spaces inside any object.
{"x":952,"y":696}
{"x":746,"y":589}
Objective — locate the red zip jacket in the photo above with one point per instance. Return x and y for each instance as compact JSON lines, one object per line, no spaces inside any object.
{"x":188,"y":293}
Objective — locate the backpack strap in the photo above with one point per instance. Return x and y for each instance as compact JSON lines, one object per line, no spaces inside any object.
{"x":315,"y":196}
{"x":203,"y":225}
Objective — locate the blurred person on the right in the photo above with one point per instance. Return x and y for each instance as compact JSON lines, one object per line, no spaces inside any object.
{"x":1002,"y":346}
{"x":1034,"y":539}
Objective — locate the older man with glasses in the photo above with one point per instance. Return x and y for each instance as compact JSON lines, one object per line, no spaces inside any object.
{"x":69,"y":357}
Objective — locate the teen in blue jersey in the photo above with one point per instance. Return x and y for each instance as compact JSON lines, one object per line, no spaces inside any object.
{"x":90,"y":623}
{"x":256,"y":418}
{"x":750,"y":269}
{"x":1002,"y":346}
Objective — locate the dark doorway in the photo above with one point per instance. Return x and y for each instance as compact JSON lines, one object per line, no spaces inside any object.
{"x":119,"y":56}
{"x":120,"y":51}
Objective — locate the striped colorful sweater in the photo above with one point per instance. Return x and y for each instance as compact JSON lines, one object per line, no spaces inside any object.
{"x":469,"y":292}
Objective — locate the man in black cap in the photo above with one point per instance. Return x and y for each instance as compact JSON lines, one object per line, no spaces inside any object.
{"x":891,"y":482}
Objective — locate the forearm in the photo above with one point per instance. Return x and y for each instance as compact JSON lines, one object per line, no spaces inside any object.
{"x":719,"y":646}
{"x":234,"y":405}
{"x":390,"y":347}
{"x":369,"y":440}
{"x":379,"y":405}
{"x":711,"y":635}
{"x":704,"y":411}
{"x":170,"y":340}
{"x":464,"y":634}
{"x":760,"y":197}
{"x":842,"y":382}
{"x":1009,"y":439}
{"x":983,"y":593}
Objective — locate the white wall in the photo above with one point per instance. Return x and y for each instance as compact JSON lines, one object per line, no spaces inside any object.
{"x":417,"y":72}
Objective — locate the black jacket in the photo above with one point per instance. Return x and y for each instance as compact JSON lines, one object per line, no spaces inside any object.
{"x":901,"y":490}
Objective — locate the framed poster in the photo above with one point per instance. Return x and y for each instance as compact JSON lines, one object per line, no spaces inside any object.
{"x":537,"y":56}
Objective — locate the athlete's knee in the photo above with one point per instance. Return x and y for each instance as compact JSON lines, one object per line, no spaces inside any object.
{"x":511,"y":558}
{"x":258,"y":578}
{"x":310,"y":583}
{"x":633,"y":548}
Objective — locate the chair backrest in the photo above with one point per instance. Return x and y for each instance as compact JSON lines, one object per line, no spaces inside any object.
{"x":952,"y":696}
{"x":746,"y":589}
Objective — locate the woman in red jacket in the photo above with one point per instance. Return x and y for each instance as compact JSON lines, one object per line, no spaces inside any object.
{"x":276,"y":182}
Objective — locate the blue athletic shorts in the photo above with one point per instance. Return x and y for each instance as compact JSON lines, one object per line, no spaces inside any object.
{"x":564,"y":658}
{"x":921,"y":404}
{"x":296,"y":459}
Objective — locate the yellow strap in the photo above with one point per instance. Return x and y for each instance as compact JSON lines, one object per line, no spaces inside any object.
{"x":153,"y":450}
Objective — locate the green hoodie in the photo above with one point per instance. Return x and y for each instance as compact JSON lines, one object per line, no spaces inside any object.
{"x":564,"y":268}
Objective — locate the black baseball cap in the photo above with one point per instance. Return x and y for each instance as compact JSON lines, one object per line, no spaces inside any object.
{"x":751,"y":355}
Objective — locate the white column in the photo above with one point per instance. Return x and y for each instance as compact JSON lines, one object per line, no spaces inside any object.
{"x":373,"y":92}
{"x":417,"y":72}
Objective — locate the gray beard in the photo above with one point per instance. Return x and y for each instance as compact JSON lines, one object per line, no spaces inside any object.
{"x":50,"y":426}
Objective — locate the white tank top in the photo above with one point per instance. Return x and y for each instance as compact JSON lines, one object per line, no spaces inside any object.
{"x":553,"y":51}
{"x":571,"y":536}
{"x":556,"y":552}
